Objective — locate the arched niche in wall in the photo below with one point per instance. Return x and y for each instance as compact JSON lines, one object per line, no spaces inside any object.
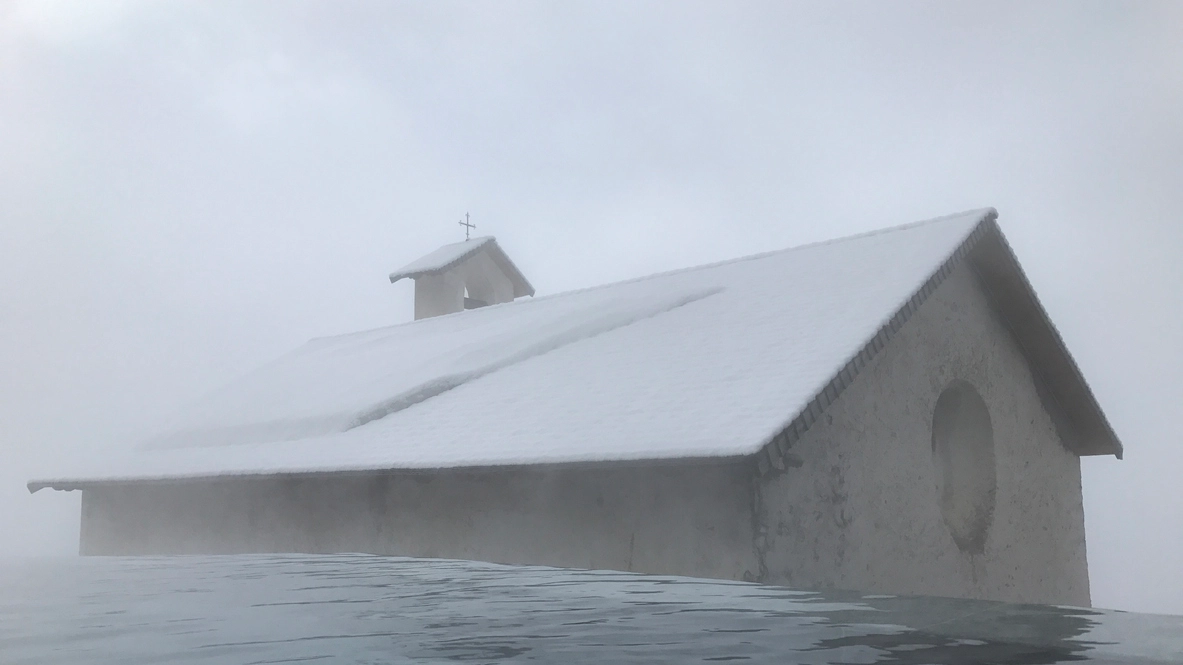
{"x":963,"y":455}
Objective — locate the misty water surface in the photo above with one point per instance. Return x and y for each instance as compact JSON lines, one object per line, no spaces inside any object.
{"x":366,"y":609}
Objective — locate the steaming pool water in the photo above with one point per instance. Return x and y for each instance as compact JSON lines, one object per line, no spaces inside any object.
{"x":368,"y":609}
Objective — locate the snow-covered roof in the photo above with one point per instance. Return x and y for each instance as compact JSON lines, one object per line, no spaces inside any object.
{"x":447,"y":257}
{"x":709,"y":362}
{"x":441,"y":259}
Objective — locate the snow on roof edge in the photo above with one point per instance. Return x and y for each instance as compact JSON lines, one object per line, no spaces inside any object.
{"x":67,"y":484}
{"x":796,"y":423}
{"x":1083,"y":405}
{"x":457,"y":252}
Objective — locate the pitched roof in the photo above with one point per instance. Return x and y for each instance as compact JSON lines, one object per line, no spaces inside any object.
{"x":724,"y":360}
{"x":449,"y":256}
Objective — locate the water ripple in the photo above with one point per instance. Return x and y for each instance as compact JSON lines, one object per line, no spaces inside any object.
{"x":367,"y":609}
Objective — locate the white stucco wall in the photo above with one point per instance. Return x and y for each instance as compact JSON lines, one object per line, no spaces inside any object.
{"x":436,"y":295}
{"x":862,"y":512}
{"x":672,"y":519}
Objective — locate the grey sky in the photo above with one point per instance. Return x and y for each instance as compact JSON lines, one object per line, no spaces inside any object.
{"x":190,"y":189}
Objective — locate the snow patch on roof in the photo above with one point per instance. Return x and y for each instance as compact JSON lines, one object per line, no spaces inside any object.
{"x":379,"y":374}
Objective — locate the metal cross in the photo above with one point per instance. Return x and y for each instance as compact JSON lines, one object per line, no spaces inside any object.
{"x":467,"y":227}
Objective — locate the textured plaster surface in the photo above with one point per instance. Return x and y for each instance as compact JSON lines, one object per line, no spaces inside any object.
{"x":862,"y":511}
{"x":686,"y":520}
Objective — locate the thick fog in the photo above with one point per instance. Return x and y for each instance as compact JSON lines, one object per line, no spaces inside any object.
{"x":190,"y":189}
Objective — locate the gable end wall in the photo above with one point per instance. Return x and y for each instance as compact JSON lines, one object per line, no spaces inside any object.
{"x":861,"y":511}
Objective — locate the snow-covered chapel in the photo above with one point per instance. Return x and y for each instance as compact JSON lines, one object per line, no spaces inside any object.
{"x":892,"y":412}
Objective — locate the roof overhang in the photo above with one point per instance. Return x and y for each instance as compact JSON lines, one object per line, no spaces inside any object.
{"x":70,"y":485}
{"x":1078,"y":417}
{"x":453,"y":255}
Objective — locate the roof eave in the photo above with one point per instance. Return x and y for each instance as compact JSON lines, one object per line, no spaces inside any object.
{"x":521,"y":285}
{"x":477,"y":245}
{"x":83,"y":484}
{"x":1081,"y":422}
